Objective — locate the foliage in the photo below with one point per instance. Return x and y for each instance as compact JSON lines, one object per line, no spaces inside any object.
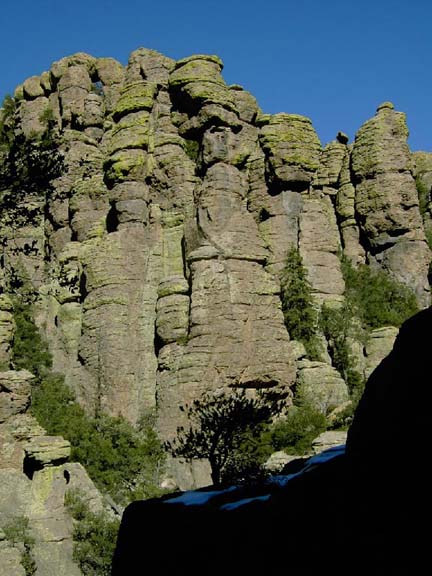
{"x":17,"y":532}
{"x":94,"y":535}
{"x":428,"y":234}
{"x":297,"y":304}
{"x":226,"y":429}
{"x":338,"y":327}
{"x":377,"y":298}
{"x":29,"y":349}
{"x":28,"y":164}
{"x":424,"y":195}
{"x":122,"y":461}
{"x":7,"y":123}
{"x":191,"y":147}
{"x":295,"y":432}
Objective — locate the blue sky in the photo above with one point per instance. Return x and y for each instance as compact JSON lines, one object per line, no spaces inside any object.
{"x":332,"y":60}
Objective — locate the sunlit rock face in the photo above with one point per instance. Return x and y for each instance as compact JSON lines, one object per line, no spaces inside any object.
{"x":155,"y":261}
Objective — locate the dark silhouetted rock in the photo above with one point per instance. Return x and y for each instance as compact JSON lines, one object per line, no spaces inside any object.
{"x":361,"y":507}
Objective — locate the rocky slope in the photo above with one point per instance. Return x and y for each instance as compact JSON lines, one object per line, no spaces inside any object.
{"x":156,"y":258}
{"x":35,"y":474}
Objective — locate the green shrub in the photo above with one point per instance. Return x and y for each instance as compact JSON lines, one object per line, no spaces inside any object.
{"x":122,"y":461}
{"x":338,"y":327}
{"x":94,"y":535}
{"x":17,"y":532}
{"x":28,"y":164}
{"x":297,"y":304}
{"x":191,"y":147}
{"x":424,"y":193}
{"x":428,"y":234}
{"x":29,"y":349}
{"x":295,"y":432}
{"x":7,"y":123}
{"x":377,"y":299}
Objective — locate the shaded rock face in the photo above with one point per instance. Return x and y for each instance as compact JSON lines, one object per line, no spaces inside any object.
{"x":156,"y":259}
{"x":35,"y":475}
{"x":382,"y":412}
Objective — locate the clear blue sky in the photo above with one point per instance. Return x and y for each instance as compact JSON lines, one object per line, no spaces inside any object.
{"x":331,"y":60}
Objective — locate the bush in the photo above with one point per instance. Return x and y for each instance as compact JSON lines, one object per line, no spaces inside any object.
{"x":227,"y":429}
{"x":29,"y":349}
{"x":191,"y":147}
{"x":338,"y":327}
{"x":424,"y":195}
{"x":294,"y":433}
{"x":28,"y":164}
{"x":17,"y":532}
{"x":7,"y":124}
{"x":377,"y":299}
{"x":94,"y":535}
{"x":297,"y":304}
{"x":122,"y":461}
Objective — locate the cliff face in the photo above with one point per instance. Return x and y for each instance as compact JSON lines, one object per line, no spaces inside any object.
{"x":156,"y":258}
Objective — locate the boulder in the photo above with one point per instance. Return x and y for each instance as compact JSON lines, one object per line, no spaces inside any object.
{"x":45,"y":451}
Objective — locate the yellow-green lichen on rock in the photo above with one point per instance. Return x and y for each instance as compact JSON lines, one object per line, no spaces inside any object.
{"x":197,"y":68}
{"x":135,"y":97}
{"x":129,"y":134}
{"x":381,"y":144}
{"x":199,"y":78}
{"x":291,"y":146}
{"x":126,"y":165}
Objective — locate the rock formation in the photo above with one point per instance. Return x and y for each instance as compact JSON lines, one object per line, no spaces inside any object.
{"x":35,"y":474}
{"x":155,"y":259}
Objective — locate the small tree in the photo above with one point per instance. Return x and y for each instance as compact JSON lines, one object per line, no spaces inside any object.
{"x":17,"y":532}
{"x":377,"y":298}
{"x":338,"y":326}
{"x":297,"y":303}
{"x":226,"y":429}
{"x":29,"y":349}
{"x":94,"y":536}
{"x":295,"y":433}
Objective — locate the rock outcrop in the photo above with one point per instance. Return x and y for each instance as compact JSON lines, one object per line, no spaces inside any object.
{"x":155,"y":259}
{"x":35,"y":474}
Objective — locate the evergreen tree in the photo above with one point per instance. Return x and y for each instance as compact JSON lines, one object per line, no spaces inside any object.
{"x":297,"y":303}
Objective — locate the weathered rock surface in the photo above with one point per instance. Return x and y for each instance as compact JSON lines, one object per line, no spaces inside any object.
{"x":10,"y":561}
{"x":44,"y":451}
{"x":155,"y":260}
{"x":387,"y":203}
{"x":14,"y":393}
{"x":34,"y":477}
{"x":321,"y":385}
{"x":329,"y":439}
{"x":379,"y":345}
